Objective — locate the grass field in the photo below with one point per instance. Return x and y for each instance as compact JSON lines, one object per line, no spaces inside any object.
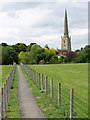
{"x":70,"y":76}
{"x":13,"y":105}
{"x":4,"y":72}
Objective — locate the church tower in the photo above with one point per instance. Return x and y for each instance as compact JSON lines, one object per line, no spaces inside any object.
{"x":66,"y":40}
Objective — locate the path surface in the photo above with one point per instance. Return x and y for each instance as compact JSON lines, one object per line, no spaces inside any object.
{"x":28,"y":104}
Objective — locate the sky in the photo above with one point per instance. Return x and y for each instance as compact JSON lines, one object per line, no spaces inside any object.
{"x":43,"y":22}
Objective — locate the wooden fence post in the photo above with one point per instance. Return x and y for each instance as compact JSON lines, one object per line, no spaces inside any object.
{"x":46,"y":84}
{"x":59,"y":94}
{"x":71,"y":102}
{"x":39,"y":80}
{"x":51,"y":87}
{"x":42,"y":82}
{"x":2,"y":114}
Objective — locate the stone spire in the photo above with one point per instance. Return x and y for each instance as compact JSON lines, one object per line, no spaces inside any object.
{"x":66,"y":24}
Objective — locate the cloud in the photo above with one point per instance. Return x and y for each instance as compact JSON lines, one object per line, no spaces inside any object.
{"x":43,"y":23}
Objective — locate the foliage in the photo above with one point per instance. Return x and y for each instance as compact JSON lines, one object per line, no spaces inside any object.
{"x":29,"y":46}
{"x":34,"y":53}
{"x":46,"y":46}
{"x":20,"y":47}
{"x":54,"y":59}
{"x":51,"y":50}
{"x":61,"y":59}
{"x":83,"y":55}
{"x":0,"y":55}
{"x":9,"y":55}
{"x":42,"y":61}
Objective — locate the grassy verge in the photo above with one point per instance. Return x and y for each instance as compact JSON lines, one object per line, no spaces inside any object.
{"x":4,"y":72}
{"x":44,"y":101}
{"x":13,"y":107}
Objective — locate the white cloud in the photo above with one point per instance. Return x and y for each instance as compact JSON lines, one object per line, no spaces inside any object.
{"x":43,"y":23}
{"x":77,"y":31}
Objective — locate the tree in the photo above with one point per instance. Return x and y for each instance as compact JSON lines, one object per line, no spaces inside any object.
{"x":4,"y":44}
{"x":20,"y":47}
{"x":0,"y":54}
{"x":61,"y":59}
{"x":29,"y":46}
{"x":83,"y":55}
{"x":9,"y":55}
{"x":35,"y":52}
{"x":54,"y":59}
{"x":46,"y":46}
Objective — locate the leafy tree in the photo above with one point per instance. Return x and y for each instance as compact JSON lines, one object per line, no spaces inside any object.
{"x":29,"y":46}
{"x":77,"y":50}
{"x":54,"y":59}
{"x":48,"y":57}
{"x":9,"y":55}
{"x":4,"y":44}
{"x":83,"y":55}
{"x":36,"y":50}
{"x":61,"y":59}
{"x":42,"y":61}
{"x":20,"y":47}
{"x":46,"y":46}
{"x":0,"y":54}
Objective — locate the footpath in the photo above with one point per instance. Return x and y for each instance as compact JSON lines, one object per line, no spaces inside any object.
{"x":27,"y":102}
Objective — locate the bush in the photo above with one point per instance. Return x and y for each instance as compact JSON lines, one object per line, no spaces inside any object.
{"x":42,"y":61}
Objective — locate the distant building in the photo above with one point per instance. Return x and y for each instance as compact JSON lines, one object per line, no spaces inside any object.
{"x":65,"y":40}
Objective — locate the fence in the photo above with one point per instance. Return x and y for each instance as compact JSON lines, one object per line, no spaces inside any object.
{"x":71,"y":105}
{"x":5,"y":93}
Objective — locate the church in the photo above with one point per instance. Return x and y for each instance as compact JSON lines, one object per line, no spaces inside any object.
{"x":65,"y":40}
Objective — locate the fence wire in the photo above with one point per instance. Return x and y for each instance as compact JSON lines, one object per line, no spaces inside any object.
{"x":5,"y":93}
{"x":79,"y":107}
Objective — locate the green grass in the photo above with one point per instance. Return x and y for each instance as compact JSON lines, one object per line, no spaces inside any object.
{"x":4,"y":72}
{"x":70,"y":76}
{"x":13,"y":105}
{"x":44,"y":101}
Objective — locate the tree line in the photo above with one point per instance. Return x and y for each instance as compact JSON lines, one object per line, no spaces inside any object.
{"x":35,"y":54}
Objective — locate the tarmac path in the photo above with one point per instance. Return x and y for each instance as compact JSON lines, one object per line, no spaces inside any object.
{"x":27,"y":102}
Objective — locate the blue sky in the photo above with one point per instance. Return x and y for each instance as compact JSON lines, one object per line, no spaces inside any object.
{"x":43,"y":22}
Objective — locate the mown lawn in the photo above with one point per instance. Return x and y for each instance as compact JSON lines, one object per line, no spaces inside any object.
{"x":4,"y":72}
{"x":70,"y":75}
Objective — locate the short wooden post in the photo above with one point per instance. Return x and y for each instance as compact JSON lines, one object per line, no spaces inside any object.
{"x":2,"y":112}
{"x":42,"y":82}
{"x":46,"y":84}
{"x":37,"y":77}
{"x":39,"y":80}
{"x":34,"y":75}
{"x":51,"y":87}
{"x":71,"y":102}
{"x":59,"y":94}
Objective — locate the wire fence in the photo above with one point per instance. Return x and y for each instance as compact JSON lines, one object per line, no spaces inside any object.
{"x":5,"y":93}
{"x":71,"y":105}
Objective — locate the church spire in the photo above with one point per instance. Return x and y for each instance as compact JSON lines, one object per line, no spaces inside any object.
{"x":66,"y":24}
